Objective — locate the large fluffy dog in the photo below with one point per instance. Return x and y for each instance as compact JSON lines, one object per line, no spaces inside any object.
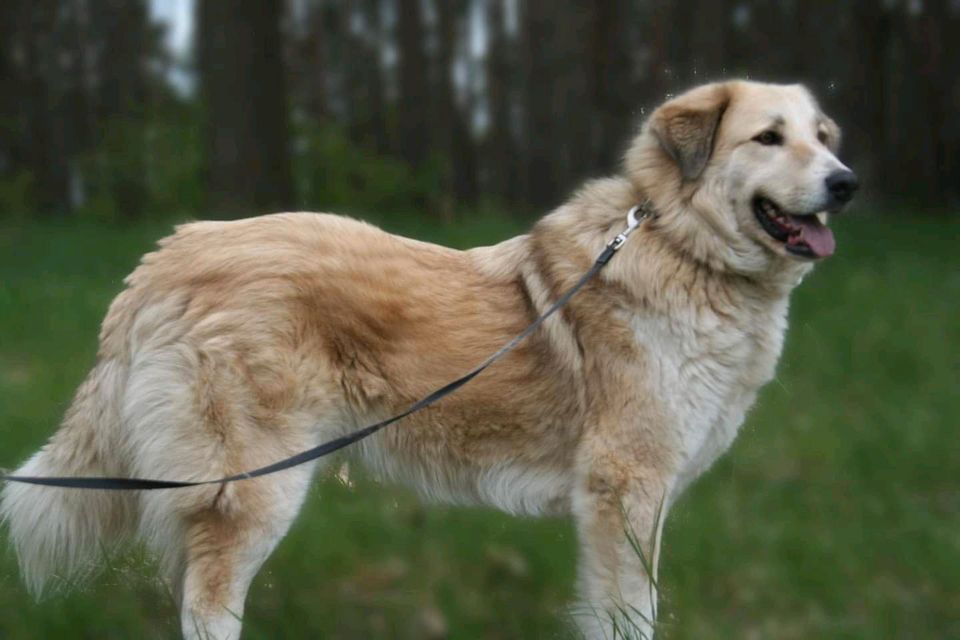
{"x":238,"y":343}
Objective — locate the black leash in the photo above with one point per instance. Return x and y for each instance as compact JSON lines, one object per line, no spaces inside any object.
{"x":634,"y":217}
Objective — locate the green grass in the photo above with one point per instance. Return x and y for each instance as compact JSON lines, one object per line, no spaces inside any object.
{"x":836,"y":514}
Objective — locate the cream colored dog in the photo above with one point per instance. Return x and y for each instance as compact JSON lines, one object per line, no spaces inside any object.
{"x":236,"y":344}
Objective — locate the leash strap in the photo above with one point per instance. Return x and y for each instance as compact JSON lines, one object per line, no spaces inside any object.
{"x":634,"y":217}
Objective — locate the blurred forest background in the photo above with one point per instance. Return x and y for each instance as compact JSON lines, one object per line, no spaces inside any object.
{"x":835,"y":514}
{"x":429,"y":105}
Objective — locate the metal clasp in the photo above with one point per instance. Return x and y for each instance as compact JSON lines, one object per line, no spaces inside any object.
{"x":632,"y":223}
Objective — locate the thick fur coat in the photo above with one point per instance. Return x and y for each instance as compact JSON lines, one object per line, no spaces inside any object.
{"x":236,"y":344}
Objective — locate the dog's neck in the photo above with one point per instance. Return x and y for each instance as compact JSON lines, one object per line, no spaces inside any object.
{"x":691,"y":246}
{"x":667,"y":278}
{"x":661,"y":258}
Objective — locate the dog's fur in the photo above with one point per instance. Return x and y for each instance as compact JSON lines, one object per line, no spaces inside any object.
{"x":236,"y":344}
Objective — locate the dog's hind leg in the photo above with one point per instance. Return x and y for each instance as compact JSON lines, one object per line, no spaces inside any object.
{"x":225,"y":546}
{"x":195,"y":414}
{"x":201,"y":414}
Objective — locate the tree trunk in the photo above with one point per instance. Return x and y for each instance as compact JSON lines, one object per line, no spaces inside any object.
{"x":612,"y":87}
{"x":503,"y":170}
{"x":414,"y":99}
{"x":864,"y":107}
{"x":47,"y":152}
{"x":374,"y":81}
{"x":707,"y":56}
{"x":541,"y":183}
{"x":455,"y":136}
{"x":918,"y":122}
{"x":122,"y":99}
{"x":310,"y":63}
{"x":242,"y":75}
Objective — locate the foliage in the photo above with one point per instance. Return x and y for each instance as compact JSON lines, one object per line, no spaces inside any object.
{"x":332,"y":173}
{"x":142,"y":169}
{"x":16,"y":195}
{"x":174,"y":162}
{"x":111,"y":175}
{"x":834,"y":516}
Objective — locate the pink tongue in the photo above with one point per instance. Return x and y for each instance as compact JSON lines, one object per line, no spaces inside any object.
{"x":816,"y":235}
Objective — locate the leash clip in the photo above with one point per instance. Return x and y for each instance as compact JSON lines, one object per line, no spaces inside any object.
{"x":632,"y":223}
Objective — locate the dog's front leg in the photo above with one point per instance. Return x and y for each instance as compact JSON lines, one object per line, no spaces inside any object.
{"x":619,"y":508}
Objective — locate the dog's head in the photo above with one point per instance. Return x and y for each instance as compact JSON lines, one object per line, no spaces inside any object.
{"x":744,"y":174}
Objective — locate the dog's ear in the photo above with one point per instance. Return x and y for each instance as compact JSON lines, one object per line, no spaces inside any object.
{"x":687,"y":125}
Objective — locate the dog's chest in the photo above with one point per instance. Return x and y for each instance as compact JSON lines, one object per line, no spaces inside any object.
{"x":706,"y":375}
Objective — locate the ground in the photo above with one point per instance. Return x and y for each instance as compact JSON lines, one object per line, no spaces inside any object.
{"x":836,"y":514}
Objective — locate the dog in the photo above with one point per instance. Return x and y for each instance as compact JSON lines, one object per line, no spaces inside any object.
{"x":236,"y":344}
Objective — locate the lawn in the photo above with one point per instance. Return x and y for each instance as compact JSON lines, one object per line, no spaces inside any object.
{"x":835,"y":515}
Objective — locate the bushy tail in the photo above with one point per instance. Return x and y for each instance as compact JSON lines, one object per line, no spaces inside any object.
{"x":61,"y":532}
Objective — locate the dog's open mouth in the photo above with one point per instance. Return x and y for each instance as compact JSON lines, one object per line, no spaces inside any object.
{"x":804,"y":236}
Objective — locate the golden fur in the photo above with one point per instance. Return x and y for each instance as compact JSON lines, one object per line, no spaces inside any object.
{"x":236,"y":344}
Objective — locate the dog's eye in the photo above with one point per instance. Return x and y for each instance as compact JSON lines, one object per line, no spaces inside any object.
{"x":769,"y":138}
{"x":822,"y":136}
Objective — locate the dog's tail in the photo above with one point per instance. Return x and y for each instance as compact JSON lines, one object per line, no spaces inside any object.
{"x":61,"y":532}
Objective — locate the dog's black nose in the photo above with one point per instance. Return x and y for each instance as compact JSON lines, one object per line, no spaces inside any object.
{"x":842,"y":185}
